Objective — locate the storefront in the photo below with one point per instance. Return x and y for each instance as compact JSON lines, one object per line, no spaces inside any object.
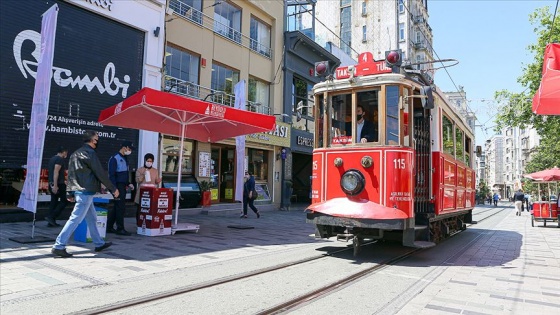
{"x":103,"y":54}
{"x":302,"y":159}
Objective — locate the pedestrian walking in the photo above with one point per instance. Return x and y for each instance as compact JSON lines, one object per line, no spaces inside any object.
{"x":146,"y":176}
{"x":496,"y":197}
{"x":57,"y":186}
{"x":85,"y":174}
{"x":120,"y":177}
{"x":518,"y":197}
{"x":249,"y":195}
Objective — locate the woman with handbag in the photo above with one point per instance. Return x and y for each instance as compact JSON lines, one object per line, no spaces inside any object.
{"x":249,"y":195}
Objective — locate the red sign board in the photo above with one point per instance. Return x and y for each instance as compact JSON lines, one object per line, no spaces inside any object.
{"x":366,"y":66}
{"x":156,"y":207}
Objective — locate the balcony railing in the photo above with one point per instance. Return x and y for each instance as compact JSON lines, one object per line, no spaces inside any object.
{"x":195,"y":16}
{"x":193,"y":90}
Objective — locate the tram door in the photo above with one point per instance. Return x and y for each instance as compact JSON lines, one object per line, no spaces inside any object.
{"x":423,"y":160}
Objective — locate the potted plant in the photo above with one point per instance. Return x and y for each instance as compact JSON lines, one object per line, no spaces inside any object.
{"x":206,"y":193}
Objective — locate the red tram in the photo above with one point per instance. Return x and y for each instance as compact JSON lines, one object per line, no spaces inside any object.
{"x":392,"y":158}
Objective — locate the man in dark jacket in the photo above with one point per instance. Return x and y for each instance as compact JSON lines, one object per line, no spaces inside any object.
{"x":366,"y":129}
{"x":120,"y":177}
{"x":85,"y":174}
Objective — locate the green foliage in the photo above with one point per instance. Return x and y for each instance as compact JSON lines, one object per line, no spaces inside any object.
{"x":204,"y":185}
{"x":483,"y":190}
{"x":518,"y":111}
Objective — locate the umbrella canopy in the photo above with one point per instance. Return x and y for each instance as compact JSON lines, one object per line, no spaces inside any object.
{"x":548,"y":175}
{"x":173,"y":114}
{"x":547,"y":99}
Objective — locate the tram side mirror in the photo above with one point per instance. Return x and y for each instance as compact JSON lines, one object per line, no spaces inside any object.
{"x":427,"y":97}
{"x":478,"y":151}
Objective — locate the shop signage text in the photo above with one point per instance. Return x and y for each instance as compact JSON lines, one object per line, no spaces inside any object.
{"x":63,"y":77}
{"x":304,"y":141}
{"x":279,"y":131}
{"x":104,"y":4}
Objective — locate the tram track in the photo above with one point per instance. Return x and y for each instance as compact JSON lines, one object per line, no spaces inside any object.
{"x":279,"y":308}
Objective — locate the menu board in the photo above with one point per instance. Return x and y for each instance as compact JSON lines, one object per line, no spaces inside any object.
{"x":204,"y":164}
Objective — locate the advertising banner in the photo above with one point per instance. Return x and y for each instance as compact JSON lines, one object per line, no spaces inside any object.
{"x":98,"y":63}
{"x":41,"y":96}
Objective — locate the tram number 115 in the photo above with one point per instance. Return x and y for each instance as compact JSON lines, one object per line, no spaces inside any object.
{"x":399,"y":164}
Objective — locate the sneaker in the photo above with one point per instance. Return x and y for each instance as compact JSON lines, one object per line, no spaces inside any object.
{"x":258,"y":215}
{"x":243,"y":216}
{"x":61,"y":253}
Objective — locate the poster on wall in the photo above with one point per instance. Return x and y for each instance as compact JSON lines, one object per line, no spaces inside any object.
{"x":97,"y":63}
{"x":204,"y":164}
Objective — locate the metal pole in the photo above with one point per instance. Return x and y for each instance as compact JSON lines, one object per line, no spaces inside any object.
{"x":180,"y":163}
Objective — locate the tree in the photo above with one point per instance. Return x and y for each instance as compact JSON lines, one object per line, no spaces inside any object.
{"x":518,"y":111}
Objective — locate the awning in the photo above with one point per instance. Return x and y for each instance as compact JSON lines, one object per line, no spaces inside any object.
{"x":547,"y":99}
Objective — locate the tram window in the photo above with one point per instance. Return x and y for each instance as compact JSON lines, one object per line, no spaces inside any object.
{"x":340,"y":117}
{"x":319,"y":122}
{"x":367,"y":120}
{"x":459,"y":145}
{"x":392,"y":118}
{"x":447,"y":133}
{"x":468,"y":145}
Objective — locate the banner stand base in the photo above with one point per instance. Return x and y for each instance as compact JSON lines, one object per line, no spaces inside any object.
{"x":30,"y":240}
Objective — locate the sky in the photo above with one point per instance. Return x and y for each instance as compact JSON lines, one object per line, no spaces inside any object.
{"x":489,"y":38}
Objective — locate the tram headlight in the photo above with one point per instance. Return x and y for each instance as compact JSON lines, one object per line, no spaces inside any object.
{"x":352,"y":182}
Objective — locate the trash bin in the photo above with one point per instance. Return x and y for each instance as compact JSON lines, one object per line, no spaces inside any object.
{"x":81,"y":234}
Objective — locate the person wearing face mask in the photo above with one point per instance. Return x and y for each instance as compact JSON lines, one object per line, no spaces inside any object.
{"x":57,"y":186}
{"x":120,"y":177}
{"x":85,"y":175}
{"x":146,"y":176}
{"x":366,"y":129}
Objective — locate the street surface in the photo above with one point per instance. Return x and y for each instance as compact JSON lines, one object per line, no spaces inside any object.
{"x":501,"y":265}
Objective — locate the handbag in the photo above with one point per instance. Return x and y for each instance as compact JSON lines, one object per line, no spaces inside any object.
{"x":255,"y":194}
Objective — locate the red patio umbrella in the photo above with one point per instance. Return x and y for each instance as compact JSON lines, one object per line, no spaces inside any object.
{"x":547,"y":99}
{"x":185,"y":117}
{"x":549,"y":175}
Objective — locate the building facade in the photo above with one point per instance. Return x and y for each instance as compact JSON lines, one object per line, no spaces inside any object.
{"x":211,"y":46}
{"x":377,"y":26}
{"x":494,"y":148}
{"x":104,"y":52}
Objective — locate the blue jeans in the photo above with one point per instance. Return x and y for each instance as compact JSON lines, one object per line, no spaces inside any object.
{"x":84,"y":208}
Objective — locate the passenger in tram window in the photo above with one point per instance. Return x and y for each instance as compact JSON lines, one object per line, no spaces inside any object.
{"x":367,"y":131}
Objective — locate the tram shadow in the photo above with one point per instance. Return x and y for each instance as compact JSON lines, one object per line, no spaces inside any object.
{"x":473,"y":247}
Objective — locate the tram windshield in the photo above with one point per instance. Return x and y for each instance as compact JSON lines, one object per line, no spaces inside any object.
{"x":362,"y":117}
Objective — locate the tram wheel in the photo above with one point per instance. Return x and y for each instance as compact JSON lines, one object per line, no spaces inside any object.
{"x":357,"y":242}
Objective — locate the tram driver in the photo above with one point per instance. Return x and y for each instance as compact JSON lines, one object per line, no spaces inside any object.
{"x":367,"y":130}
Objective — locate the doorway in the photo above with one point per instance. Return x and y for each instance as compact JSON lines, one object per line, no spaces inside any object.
{"x":223,"y":173}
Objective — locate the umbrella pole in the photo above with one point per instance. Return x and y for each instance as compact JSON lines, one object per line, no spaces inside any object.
{"x":182,"y":138}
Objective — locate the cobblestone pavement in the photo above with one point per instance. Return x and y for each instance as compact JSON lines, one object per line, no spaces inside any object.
{"x":499,"y":274}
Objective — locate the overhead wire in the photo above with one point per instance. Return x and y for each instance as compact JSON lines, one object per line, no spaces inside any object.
{"x":553,"y":20}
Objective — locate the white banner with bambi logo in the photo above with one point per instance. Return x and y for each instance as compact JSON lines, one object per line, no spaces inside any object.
{"x":39,"y":111}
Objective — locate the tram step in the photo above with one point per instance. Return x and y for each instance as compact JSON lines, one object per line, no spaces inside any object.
{"x":423,"y":244}
{"x":344,"y":237}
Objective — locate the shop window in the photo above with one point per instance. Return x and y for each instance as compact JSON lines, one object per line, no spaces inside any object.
{"x":258,"y":163}
{"x":170,"y":156}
